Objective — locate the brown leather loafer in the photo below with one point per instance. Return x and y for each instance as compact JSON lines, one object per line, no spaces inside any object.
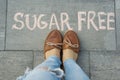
{"x":53,"y":40}
{"x":72,"y":44}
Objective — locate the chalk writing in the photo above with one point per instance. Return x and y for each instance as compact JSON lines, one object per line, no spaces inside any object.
{"x":88,"y":17}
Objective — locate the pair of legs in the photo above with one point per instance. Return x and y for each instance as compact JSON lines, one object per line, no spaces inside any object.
{"x":50,"y":68}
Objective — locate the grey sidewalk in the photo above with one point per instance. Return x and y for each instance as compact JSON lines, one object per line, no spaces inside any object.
{"x":24,"y":25}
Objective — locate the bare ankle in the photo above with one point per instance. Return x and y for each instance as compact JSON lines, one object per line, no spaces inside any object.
{"x":69,"y":54}
{"x":53,"y":52}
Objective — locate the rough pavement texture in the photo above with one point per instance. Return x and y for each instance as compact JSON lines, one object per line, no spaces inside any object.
{"x":23,"y":31}
{"x":2,"y":23}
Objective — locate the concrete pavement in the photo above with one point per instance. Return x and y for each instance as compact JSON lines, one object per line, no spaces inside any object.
{"x":24,"y":25}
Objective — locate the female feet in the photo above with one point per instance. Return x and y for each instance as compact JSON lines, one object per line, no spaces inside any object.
{"x":71,"y":46}
{"x":53,"y":44}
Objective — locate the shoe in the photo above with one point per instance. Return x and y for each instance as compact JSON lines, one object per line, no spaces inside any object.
{"x":53,"y":44}
{"x":71,"y":45}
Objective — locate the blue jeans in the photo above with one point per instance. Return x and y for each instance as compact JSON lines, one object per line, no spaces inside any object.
{"x":50,"y":70}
